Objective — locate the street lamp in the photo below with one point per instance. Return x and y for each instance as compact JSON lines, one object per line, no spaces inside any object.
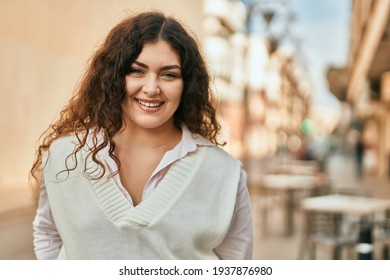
{"x":273,"y":16}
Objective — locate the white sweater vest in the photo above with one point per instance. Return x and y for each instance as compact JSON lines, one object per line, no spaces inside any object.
{"x":186,"y":217}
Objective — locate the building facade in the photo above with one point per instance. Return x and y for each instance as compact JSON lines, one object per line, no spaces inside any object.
{"x":364,"y":84}
{"x":264,"y":94}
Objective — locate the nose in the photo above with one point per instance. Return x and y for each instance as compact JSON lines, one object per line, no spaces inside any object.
{"x":151,"y":86}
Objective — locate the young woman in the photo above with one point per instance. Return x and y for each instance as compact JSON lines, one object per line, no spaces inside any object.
{"x":132,"y":168}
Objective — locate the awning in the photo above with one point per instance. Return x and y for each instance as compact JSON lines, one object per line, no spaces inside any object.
{"x":338,"y":82}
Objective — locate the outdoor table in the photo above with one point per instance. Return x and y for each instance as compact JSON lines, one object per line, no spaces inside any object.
{"x":287,"y":185}
{"x":363,"y":207}
{"x":296,"y":167}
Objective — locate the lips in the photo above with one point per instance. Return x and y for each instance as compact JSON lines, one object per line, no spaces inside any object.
{"x":149,"y":103}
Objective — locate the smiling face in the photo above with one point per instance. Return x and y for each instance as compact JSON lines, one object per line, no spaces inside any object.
{"x":154,"y":88}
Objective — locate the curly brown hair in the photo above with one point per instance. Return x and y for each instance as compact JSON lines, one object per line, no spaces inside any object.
{"x":96,"y":103}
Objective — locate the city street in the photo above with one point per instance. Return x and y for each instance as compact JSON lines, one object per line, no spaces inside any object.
{"x":16,"y":227}
{"x":298,"y":90}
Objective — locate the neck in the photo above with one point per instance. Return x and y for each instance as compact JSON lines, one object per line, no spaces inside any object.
{"x":164,"y":137}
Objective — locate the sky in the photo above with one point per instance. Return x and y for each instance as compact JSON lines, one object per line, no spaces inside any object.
{"x":320,"y":29}
{"x":323,"y":27}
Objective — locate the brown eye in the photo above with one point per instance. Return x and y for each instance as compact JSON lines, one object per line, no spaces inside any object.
{"x":135,"y":71}
{"x":171,"y":75}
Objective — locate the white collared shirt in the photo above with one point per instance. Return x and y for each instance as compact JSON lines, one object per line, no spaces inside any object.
{"x":238,"y":241}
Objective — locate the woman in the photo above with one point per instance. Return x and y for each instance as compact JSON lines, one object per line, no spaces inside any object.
{"x":131,"y":170}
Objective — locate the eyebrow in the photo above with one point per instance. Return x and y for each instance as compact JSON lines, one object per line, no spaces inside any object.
{"x":168,"y":67}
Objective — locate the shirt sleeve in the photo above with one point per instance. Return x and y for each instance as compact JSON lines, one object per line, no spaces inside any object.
{"x":47,"y":241}
{"x":238,"y":243}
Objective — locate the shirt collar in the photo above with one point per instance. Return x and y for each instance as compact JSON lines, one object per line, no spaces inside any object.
{"x":192,"y":140}
{"x":189,"y":140}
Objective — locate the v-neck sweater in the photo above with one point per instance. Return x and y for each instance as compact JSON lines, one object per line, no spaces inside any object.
{"x":95,"y":220}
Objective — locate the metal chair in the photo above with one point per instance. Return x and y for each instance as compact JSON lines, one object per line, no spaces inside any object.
{"x":382,"y":235}
{"x":326,"y":230}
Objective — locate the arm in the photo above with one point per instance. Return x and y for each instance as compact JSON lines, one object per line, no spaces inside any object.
{"x":47,"y":241}
{"x":238,"y":243}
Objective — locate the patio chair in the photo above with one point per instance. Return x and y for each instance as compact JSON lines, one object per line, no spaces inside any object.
{"x":382,"y":235}
{"x":326,"y":230}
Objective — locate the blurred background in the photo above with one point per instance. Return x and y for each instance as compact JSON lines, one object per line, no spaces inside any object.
{"x":303,"y":86}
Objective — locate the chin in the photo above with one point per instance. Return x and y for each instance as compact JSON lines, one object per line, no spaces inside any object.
{"x":155,"y":125}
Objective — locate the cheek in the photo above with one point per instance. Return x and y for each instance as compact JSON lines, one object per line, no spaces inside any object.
{"x":130,"y":86}
{"x":177,"y":100}
{"x":129,"y":90}
{"x":178,"y":93}
{"x":126,"y":100}
{"x":179,"y":96}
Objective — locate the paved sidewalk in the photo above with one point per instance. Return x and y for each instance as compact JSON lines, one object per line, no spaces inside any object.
{"x":16,"y":234}
{"x":17,"y":210}
{"x":342,"y":174}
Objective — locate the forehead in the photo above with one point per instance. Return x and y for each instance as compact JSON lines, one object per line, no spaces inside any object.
{"x":159,"y":52}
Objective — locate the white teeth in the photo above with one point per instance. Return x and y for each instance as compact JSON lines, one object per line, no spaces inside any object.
{"x":149,"y":104}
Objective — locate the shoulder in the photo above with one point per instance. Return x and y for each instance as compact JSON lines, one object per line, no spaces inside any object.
{"x":54,"y":159}
{"x":219,"y":167}
{"x":64,"y":144}
{"x":62,"y":147}
{"x":214,"y":152}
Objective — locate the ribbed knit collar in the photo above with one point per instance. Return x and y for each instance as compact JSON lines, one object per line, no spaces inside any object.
{"x":123,"y":214}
